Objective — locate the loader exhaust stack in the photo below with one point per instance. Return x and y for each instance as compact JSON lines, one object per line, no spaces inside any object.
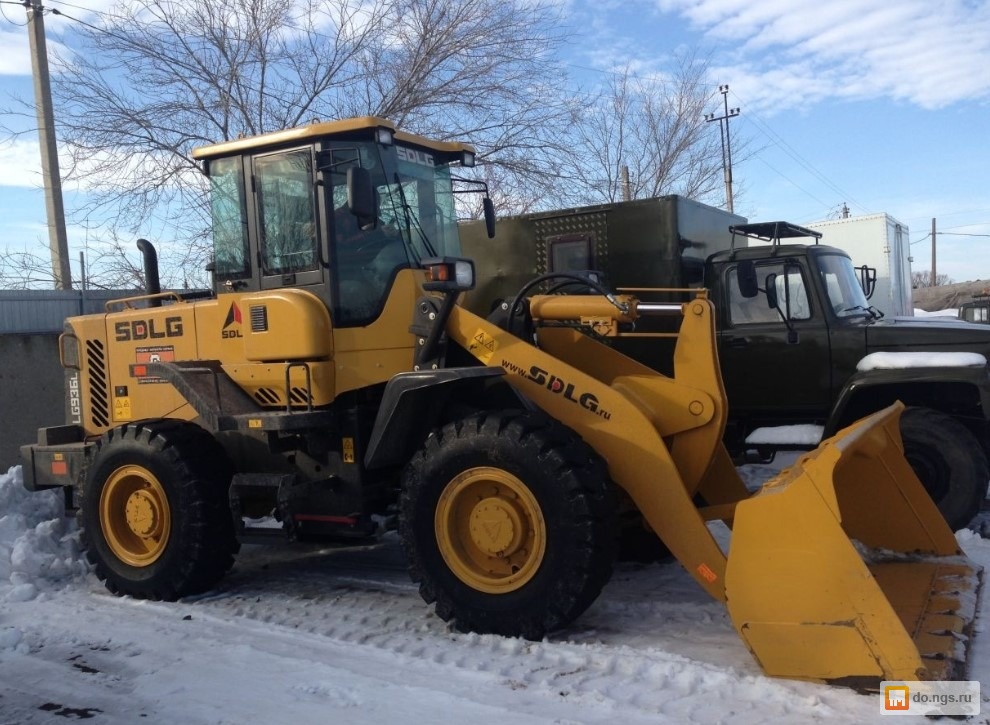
{"x":151,"y":281}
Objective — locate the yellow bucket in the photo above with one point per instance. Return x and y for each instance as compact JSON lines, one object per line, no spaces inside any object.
{"x":842,"y":568}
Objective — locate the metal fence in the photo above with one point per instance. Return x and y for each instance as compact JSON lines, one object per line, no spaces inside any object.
{"x":28,"y":311}
{"x":34,"y":311}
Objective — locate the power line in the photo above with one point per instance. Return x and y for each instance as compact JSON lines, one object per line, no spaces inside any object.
{"x":790,"y":151}
{"x":4,"y":13}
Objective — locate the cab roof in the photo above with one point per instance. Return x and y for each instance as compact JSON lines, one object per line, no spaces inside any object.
{"x":324,"y":128}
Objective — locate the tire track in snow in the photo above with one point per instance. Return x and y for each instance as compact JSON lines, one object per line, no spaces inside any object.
{"x":365,"y":598}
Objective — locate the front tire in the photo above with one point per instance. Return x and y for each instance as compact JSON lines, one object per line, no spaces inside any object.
{"x":153,"y":510}
{"x":508,"y":522}
{"x":948,"y":460}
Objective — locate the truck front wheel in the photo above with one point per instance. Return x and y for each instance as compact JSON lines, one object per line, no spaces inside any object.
{"x":508,"y":522}
{"x":948,"y":460}
{"x":153,"y":511}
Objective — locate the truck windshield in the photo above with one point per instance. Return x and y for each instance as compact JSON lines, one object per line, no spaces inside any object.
{"x":842,"y":286}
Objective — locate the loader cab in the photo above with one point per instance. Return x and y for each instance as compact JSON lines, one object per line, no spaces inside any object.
{"x":336,"y":208}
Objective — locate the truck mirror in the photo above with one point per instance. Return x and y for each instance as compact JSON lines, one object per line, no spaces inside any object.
{"x":868,"y":280}
{"x":771,"y":288}
{"x":746,"y":277}
{"x":489,"y":206}
{"x":361,"y":195}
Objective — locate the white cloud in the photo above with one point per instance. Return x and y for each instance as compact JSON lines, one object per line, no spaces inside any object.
{"x":931,"y":54}
{"x":15,"y":60}
{"x":20,"y":164}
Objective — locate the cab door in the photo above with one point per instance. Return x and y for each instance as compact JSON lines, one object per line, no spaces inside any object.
{"x":774,"y":375}
{"x":286,"y":210}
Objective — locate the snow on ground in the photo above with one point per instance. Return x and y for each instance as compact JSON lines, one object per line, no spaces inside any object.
{"x":948,"y":312}
{"x":305,"y":634}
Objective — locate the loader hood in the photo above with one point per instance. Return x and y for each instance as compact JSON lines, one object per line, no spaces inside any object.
{"x":923,"y":334}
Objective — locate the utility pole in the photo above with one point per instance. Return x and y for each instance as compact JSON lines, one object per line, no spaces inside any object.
{"x":57,"y":239}
{"x":934,"y":276}
{"x":726,"y":142}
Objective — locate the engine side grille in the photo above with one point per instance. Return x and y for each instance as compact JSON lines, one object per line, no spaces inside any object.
{"x":96,"y":374}
{"x":267,"y":396}
{"x":299,"y":396}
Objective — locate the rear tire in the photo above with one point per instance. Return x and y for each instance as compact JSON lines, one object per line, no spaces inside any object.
{"x":153,"y":510}
{"x":948,"y":460}
{"x":508,"y":522}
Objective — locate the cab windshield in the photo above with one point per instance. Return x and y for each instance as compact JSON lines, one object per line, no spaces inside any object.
{"x":414,"y":219}
{"x":842,"y":286}
{"x":412,"y":192}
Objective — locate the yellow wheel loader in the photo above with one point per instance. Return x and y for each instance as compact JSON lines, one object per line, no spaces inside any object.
{"x":332,"y":388}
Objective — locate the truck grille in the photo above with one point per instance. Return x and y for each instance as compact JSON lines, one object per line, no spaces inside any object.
{"x":96,"y":376}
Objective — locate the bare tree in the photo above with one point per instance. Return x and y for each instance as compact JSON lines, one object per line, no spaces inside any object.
{"x":654,"y":128}
{"x":147,"y":84}
{"x":924,"y":279}
{"x":111,"y":264}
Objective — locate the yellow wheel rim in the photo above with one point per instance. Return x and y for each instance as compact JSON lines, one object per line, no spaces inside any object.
{"x":135,"y":516}
{"x":490,"y":530}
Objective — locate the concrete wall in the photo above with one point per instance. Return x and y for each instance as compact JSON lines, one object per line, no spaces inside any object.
{"x":32,"y":391}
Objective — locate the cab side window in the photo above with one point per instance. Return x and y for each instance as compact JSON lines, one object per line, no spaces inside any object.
{"x":286,"y":212}
{"x":780,"y":281}
{"x":230,"y":234}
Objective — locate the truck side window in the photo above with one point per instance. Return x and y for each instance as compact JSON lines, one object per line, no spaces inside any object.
{"x":286,"y":211}
{"x":791,"y":292}
{"x":570,"y":252}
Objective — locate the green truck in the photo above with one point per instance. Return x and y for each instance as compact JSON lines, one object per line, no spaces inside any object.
{"x":802,"y":351}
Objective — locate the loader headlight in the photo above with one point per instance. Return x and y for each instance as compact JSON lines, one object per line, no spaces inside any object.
{"x":448,"y":274}
{"x":383,"y":136}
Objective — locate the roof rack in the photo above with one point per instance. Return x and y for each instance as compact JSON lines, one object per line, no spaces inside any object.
{"x":772,"y":232}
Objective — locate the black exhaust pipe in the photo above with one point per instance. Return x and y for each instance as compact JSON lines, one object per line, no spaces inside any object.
{"x":152,"y":284}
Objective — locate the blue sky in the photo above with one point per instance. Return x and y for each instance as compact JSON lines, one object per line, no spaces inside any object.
{"x":882,"y":106}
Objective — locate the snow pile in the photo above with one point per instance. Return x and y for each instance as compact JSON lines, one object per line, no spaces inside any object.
{"x":950,"y":312}
{"x":804,"y":435}
{"x":39,"y":546}
{"x":898,"y":360}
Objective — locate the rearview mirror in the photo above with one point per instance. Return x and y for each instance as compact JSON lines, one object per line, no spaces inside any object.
{"x":771,"y":287}
{"x":867,"y":280}
{"x":746,"y":278}
{"x":489,"y":207}
{"x":361,"y":195}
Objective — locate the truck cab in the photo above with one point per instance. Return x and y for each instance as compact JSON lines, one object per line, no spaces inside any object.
{"x":800,"y":345}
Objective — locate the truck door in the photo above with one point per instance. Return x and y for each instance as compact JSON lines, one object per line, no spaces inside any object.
{"x":774,"y":373}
